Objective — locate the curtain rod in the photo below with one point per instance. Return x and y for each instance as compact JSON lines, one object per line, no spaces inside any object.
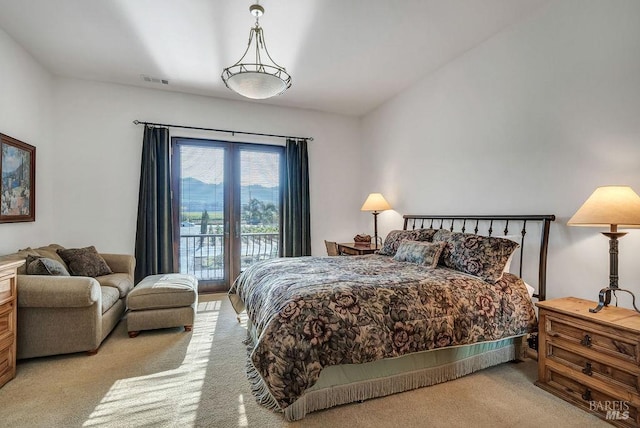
{"x":137,"y":122}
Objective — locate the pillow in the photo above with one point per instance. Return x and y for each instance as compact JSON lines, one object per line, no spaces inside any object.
{"x":37,"y":265}
{"x":481,"y":256}
{"x":530,"y":289}
{"x":422,"y":253}
{"x":517,"y":239}
{"x":51,"y":252}
{"x":395,"y":237}
{"x":85,"y":262}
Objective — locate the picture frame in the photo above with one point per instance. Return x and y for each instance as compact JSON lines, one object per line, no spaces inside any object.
{"x":18,"y":180}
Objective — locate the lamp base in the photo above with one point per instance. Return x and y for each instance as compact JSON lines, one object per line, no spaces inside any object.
{"x":375,"y":227}
{"x":604,"y":298}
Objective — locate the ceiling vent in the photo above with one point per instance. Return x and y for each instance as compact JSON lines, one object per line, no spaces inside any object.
{"x":153,"y":79}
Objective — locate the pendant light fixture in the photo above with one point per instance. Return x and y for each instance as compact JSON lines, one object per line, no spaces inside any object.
{"x":257,"y":80}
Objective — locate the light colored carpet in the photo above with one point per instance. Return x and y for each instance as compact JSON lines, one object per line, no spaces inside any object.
{"x":169,"y":378}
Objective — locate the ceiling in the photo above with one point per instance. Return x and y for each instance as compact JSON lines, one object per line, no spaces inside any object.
{"x":345,"y":56}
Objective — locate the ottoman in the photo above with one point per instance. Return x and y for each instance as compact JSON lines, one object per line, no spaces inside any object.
{"x":162,"y":301}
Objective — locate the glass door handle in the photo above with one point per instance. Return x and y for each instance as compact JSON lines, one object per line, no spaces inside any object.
{"x":237,"y":229}
{"x":226,"y":228}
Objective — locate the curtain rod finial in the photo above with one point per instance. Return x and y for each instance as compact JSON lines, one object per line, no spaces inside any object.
{"x":135,"y":122}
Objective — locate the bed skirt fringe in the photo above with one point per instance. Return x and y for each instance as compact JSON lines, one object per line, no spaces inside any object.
{"x":342,"y":394}
{"x":359,"y":391}
{"x":258,"y":386}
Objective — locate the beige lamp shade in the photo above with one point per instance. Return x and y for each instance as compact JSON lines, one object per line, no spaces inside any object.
{"x":375,"y":202}
{"x":609,"y":206}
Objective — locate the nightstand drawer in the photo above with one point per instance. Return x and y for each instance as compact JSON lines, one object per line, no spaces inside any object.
{"x":612,"y":409}
{"x":593,"y":336}
{"x":623,"y":375}
{"x":350,"y":251}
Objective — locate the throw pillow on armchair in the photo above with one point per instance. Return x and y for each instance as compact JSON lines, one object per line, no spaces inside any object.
{"x":85,"y":262}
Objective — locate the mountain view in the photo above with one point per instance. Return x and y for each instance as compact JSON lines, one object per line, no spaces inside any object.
{"x":198,"y":196}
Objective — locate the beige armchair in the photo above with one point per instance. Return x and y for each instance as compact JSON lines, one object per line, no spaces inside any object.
{"x":65,"y":314}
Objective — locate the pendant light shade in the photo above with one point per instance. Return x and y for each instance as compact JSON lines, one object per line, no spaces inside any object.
{"x":255,"y":85}
{"x":256,"y":80}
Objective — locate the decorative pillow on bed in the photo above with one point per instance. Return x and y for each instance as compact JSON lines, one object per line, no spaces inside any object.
{"x":422,"y":253}
{"x":477,"y":255}
{"x":85,"y":262}
{"x":44,"y":266}
{"x":518,"y":240}
{"x":395,"y":237}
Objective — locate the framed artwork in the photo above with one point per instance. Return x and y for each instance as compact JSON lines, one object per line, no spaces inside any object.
{"x":18,"y":187}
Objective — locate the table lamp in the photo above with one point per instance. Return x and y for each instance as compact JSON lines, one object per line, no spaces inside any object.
{"x":613,"y":207}
{"x":375,"y":202}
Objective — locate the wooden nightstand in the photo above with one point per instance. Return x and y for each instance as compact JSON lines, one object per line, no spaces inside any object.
{"x":353,"y":249}
{"x":8,"y":318}
{"x":591,"y":360}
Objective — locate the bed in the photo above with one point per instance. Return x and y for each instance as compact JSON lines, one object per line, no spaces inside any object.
{"x":439,"y":302}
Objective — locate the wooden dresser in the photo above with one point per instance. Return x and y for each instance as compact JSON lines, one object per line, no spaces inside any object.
{"x":591,"y":360}
{"x":8,"y":316}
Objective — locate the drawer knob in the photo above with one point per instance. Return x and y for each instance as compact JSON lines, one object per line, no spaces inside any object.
{"x":587,"y":369}
{"x":587,"y":395}
{"x":586,"y":341}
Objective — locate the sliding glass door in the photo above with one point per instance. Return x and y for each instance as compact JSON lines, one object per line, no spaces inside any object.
{"x":227,"y":204}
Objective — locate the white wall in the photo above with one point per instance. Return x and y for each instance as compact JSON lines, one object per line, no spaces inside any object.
{"x":99,"y":150}
{"x":529,"y":122}
{"x":25,"y":114}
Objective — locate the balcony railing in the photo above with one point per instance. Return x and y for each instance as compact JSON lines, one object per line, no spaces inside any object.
{"x":202,"y":255}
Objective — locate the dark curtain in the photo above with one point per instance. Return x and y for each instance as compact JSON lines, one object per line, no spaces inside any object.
{"x":296,"y":218}
{"x":154,"y":232}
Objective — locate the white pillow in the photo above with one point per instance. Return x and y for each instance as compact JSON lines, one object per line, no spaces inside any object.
{"x":518,"y":239}
{"x":514,"y":238}
{"x":530,"y":289}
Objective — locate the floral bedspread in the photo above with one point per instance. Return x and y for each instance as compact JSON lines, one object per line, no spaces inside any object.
{"x":313,"y":312}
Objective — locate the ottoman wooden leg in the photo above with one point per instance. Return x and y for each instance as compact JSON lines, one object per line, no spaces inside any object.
{"x":92,"y":352}
{"x":134,"y":333}
{"x":188,"y":327}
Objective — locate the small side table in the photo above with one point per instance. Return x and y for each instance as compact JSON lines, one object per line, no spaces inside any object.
{"x":353,"y":249}
{"x":8,"y":319}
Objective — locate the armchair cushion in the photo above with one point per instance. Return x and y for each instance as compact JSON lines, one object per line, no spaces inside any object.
{"x":119,"y":281}
{"x":85,"y":262}
{"x":110,"y":296}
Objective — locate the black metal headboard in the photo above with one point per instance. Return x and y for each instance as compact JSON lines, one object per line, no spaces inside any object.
{"x":476,"y":223}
